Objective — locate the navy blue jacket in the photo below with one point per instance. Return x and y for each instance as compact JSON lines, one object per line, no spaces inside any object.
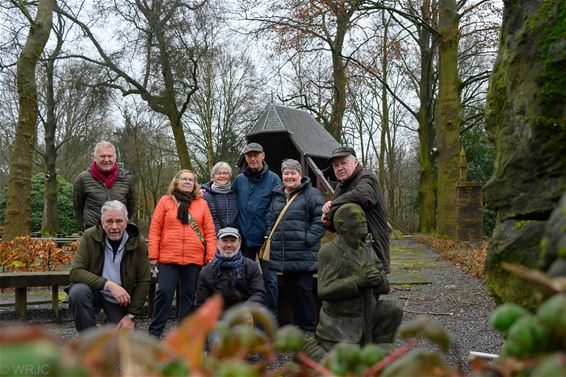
{"x":227,"y":206}
{"x":296,"y":240}
{"x":254,"y":196}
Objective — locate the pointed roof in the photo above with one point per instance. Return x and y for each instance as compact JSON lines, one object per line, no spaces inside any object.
{"x":306,"y":133}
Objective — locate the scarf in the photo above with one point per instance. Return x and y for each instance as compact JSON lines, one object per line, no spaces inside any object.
{"x":221,"y":189}
{"x":184,"y":204}
{"x":235,"y":262}
{"x":107,"y":177}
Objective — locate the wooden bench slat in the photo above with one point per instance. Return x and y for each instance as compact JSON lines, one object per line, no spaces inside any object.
{"x":33,"y":279}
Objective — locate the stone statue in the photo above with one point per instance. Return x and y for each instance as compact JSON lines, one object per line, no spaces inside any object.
{"x":350,"y":280}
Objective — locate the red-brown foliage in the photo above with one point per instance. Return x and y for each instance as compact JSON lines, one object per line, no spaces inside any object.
{"x":26,"y":254}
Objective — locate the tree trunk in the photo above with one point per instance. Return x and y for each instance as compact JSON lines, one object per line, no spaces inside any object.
{"x":180,"y":142}
{"x":339,"y":77}
{"x":427,"y":179}
{"x":18,"y":208}
{"x":384,"y":109}
{"x":50,"y":219}
{"x":448,"y":119}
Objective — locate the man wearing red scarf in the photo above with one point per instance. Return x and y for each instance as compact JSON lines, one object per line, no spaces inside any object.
{"x":101,"y":182}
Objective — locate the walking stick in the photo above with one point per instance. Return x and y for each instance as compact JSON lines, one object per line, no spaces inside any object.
{"x":367,"y":296}
{"x":368,"y":315}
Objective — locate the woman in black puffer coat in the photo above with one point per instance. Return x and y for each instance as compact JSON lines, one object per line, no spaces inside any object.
{"x":296,"y":240}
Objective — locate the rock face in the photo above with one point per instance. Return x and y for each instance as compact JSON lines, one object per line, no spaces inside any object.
{"x":553,"y":245}
{"x":526,"y":119}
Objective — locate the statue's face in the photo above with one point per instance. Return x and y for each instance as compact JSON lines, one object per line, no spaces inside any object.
{"x":354,"y":223}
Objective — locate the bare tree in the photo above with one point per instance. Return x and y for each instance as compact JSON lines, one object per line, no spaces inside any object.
{"x":18,"y":210}
{"x":145,"y":146}
{"x":225,"y":108}
{"x":69,"y":111}
{"x":50,"y":219}
{"x":309,"y":25}
{"x":8,"y":122}
{"x":162,"y":38}
{"x":82,"y":116}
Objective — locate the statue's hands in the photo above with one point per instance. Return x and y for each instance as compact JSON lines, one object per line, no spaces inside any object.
{"x":372,"y":276}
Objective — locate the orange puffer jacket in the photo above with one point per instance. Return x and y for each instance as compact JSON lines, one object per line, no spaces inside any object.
{"x":172,"y":242}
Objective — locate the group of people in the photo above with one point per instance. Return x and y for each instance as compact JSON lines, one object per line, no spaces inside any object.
{"x":206,"y":239}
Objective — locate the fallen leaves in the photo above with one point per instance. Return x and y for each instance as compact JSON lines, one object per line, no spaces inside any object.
{"x":468,"y":256}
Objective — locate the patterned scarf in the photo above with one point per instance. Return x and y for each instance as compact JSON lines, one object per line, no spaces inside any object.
{"x":108,"y":177}
{"x":235,"y":262}
{"x":184,"y":204}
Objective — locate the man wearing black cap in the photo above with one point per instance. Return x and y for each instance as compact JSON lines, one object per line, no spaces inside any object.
{"x":254,"y":186}
{"x":236,"y":278}
{"x":361,"y":187}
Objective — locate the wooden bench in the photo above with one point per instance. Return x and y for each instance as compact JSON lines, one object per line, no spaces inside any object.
{"x":22,"y":280}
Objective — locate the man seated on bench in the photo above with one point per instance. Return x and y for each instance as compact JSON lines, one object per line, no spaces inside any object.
{"x":110,"y":271}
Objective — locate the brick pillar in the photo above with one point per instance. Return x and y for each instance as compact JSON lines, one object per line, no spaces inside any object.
{"x":470,"y":211}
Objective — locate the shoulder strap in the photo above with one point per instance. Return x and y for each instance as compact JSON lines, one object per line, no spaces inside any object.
{"x":193,"y":224}
{"x":281,"y":215}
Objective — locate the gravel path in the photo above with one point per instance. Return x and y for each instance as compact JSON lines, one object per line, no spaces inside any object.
{"x":460,"y":303}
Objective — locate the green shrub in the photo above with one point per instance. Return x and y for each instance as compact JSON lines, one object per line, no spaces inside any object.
{"x":67,"y":222}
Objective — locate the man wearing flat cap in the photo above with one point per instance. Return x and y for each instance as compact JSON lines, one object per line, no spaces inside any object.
{"x":255,"y":188}
{"x":360,"y":186}
{"x":237,"y":278}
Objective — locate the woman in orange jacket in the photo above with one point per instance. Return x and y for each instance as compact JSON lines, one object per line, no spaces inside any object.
{"x":182,"y":239}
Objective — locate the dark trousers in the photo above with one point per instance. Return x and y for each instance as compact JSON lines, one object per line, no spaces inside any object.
{"x":186,"y":276}
{"x":84,"y":303}
{"x":299,"y":287}
{"x":269,"y":277}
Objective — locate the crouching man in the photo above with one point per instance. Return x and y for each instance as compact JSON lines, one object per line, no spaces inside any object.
{"x":110,"y":271}
{"x":350,"y":282}
{"x":231,"y":274}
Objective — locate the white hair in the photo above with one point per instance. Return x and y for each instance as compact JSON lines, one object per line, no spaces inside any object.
{"x":291,"y":164}
{"x":218,"y":166}
{"x":103,"y":144}
{"x":114,"y":205}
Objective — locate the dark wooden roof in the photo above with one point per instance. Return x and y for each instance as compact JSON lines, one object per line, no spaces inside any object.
{"x":308,"y":136}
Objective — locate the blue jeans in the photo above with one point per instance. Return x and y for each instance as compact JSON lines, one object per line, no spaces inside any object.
{"x":269,"y":277}
{"x":186,"y":276}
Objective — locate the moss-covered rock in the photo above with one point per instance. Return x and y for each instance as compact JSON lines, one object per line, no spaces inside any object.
{"x":526,"y":110}
{"x":526,"y":119}
{"x":553,"y":245}
{"x":513,"y":244}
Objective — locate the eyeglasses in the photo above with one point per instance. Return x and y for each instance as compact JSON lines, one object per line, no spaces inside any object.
{"x":222,"y":173}
{"x":188,"y":179}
